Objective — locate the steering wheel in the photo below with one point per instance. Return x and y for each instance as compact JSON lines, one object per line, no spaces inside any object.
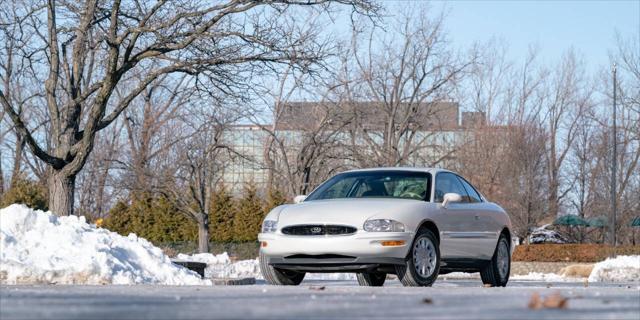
{"x":410,"y":194}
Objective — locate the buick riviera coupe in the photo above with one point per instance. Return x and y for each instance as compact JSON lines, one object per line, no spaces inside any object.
{"x":414,"y":223}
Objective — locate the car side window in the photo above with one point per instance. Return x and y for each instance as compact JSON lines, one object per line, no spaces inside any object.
{"x":471,"y":191}
{"x":449,"y":183}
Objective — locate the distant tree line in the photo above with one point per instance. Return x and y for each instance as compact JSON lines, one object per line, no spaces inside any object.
{"x":156,"y":218}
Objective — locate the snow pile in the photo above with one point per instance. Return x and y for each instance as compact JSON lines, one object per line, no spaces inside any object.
{"x":621,"y":268}
{"x":221,"y":266}
{"x":38,"y":247}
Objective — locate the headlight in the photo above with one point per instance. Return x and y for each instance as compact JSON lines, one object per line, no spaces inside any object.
{"x":269,"y":226}
{"x":383,"y":225}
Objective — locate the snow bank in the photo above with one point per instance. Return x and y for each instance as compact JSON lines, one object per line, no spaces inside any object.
{"x":621,"y":268}
{"x":38,"y":247}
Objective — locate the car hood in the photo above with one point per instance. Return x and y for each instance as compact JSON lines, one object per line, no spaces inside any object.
{"x":352,"y":212}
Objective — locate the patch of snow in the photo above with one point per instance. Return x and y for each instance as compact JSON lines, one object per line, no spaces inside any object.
{"x":621,"y":268}
{"x":330,"y":276}
{"x":460,"y":275}
{"x":39,"y":247}
{"x":221,"y":266}
{"x":551,"y":277}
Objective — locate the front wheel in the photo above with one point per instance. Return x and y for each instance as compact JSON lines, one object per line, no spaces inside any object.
{"x":496,"y":273}
{"x":279,"y":277}
{"x":370,"y":279}
{"x":423,"y":261}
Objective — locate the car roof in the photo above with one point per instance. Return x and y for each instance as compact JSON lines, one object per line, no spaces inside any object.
{"x":418,"y":169}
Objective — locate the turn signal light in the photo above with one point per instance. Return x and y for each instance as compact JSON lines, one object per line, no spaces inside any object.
{"x":392,"y":243}
{"x":263,"y":243}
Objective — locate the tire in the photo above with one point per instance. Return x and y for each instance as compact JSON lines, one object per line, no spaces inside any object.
{"x":279,"y":277}
{"x":369,"y":279}
{"x":496,"y":273}
{"x":425,"y":247}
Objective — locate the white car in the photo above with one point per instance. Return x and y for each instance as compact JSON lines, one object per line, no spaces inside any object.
{"x":415,"y":223}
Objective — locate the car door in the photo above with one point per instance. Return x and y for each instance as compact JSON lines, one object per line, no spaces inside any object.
{"x":458,"y":223}
{"x":486,"y":228}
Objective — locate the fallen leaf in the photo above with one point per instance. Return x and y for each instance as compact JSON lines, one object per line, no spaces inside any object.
{"x":320,"y":288}
{"x":552,"y":301}
{"x":535,"y":302}
{"x":555,"y":301}
{"x":427,"y":300}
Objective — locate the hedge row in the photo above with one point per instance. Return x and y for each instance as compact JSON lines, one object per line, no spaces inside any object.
{"x":570,"y":252}
{"x":158,"y":219}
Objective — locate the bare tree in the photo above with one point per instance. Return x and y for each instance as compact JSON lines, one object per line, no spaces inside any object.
{"x":198,"y":164}
{"x":97,"y":188}
{"x":95,"y":47}
{"x":302,"y":142}
{"x":16,"y":83}
{"x":395,"y":87}
{"x":568,"y":98}
{"x":153,"y":128}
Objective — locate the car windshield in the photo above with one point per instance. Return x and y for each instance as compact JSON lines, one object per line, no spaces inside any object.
{"x":375,"y":184}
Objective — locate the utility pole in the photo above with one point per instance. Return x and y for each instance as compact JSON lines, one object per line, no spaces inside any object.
{"x":614,"y":163}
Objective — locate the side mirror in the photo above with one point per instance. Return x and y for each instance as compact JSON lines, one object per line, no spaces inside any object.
{"x":450,"y":198}
{"x":298,"y":199}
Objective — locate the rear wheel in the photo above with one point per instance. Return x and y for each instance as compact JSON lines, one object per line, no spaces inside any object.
{"x":423,"y":261}
{"x":370,"y":279}
{"x":496,"y":273}
{"x":279,"y":277}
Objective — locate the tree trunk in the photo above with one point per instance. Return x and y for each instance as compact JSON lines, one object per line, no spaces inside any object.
{"x":17,"y":160}
{"x":61,"y":192}
{"x":1,"y":176}
{"x":203,"y":233}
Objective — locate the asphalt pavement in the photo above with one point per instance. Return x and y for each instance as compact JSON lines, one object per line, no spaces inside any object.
{"x":450,"y":299}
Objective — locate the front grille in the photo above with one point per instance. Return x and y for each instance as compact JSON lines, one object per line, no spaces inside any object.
{"x":318,"y":230}
{"x":319,"y":256}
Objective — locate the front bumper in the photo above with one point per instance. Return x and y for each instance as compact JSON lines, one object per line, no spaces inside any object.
{"x":362,"y":250}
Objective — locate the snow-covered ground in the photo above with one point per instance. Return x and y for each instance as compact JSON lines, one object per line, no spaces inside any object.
{"x":38,"y":247}
{"x":623,"y":268}
{"x":549,"y":277}
{"x":220,"y":266}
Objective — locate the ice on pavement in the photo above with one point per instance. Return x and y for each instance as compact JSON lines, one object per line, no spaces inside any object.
{"x":621,"y":268}
{"x":39,"y":247}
